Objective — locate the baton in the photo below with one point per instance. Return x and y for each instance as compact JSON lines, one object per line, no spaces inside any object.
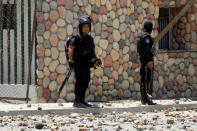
{"x":68,"y":73}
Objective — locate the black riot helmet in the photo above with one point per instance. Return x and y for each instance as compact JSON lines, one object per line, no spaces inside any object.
{"x":84,"y":20}
{"x":148,"y":26}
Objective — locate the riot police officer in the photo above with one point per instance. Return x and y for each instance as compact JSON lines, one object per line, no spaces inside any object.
{"x":145,"y":50}
{"x":82,"y":52}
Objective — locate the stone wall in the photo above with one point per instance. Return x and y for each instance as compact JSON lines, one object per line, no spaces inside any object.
{"x":175,"y":74}
{"x":116,"y":24}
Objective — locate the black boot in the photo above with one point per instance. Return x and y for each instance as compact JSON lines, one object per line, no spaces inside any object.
{"x":77,"y":103}
{"x":143,"y":101}
{"x":82,"y":99}
{"x":144,"y":96}
{"x":87,"y":104}
{"x":150,"y":102}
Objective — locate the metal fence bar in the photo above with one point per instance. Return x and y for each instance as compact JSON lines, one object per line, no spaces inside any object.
{"x":5,"y":47}
{"x":19,"y":58}
{"x":34,"y":66}
{"x":5,"y":58}
{"x":29,"y":29}
{"x":15,"y":42}
{"x":1,"y":42}
{"x":26,"y":41}
{"x":12,"y":56}
{"x":12,"y":98}
{"x":22,"y":40}
{"x":31,"y":52}
{"x":8,"y":38}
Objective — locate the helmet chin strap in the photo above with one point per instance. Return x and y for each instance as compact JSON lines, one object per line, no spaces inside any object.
{"x":80,"y":31}
{"x":84,"y":34}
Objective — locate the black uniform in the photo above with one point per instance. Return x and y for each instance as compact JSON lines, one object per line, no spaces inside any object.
{"x":83,"y":54}
{"x":83,"y":59}
{"x":144,"y":47}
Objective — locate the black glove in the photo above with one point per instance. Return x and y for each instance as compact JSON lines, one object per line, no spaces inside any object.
{"x":71,"y":63}
{"x":99,"y":61}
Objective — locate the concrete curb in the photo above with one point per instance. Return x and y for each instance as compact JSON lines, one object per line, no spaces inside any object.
{"x":67,"y":111}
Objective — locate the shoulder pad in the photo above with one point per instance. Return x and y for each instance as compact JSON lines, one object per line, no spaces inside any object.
{"x":145,"y":34}
{"x":75,"y":37}
{"x":72,"y":39}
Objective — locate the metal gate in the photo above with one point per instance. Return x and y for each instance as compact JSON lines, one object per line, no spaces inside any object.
{"x":164,"y":42}
{"x":164,"y":19}
{"x":16,"y":20}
